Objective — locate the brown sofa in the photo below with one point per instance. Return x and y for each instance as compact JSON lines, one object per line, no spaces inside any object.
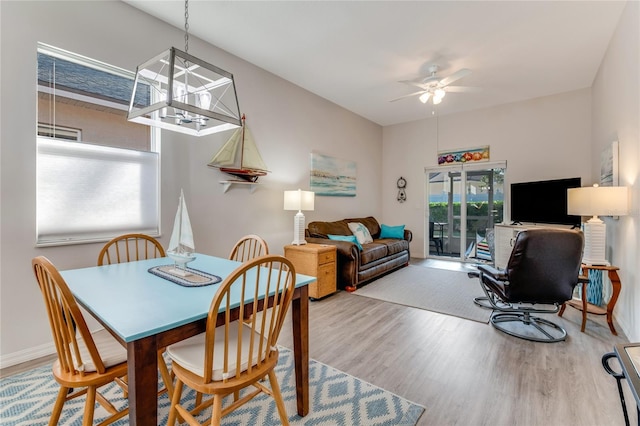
{"x":354,"y":266}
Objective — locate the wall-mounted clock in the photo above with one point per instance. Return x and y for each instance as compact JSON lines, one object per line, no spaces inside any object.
{"x":402,"y":195}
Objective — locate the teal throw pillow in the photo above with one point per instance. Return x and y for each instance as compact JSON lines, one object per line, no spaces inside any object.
{"x":350,"y":238}
{"x":396,"y":232}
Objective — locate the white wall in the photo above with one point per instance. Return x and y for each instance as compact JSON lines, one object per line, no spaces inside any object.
{"x":615,"y":116}
{"x":288,"y":123}
{"x":543,"y":138}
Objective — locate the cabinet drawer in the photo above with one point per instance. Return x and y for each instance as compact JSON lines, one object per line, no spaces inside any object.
{"x":326,"y":257}
{"x":326,"y":283}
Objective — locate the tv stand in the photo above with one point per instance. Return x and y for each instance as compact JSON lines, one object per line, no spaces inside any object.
{"x":505,"y":237}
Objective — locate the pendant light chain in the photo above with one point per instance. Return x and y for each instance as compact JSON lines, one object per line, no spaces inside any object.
{"x":186,"y":26}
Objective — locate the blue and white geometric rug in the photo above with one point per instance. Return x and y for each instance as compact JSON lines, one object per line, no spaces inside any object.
{"x":336,"y":398}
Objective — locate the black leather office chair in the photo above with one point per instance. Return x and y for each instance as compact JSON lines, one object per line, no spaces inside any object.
{"x":436,"y":241}
{"x":540,"y":276}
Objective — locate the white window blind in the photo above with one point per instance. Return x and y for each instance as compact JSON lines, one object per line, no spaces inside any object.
{"x":91,"y":193}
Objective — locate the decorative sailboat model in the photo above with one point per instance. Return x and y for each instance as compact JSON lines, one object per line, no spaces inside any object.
{"x":240,"y":157}
{"x":181,"y":246}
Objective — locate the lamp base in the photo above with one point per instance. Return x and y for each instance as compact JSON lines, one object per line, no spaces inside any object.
{"x":298,"y":229}
{"x":595,"y":232}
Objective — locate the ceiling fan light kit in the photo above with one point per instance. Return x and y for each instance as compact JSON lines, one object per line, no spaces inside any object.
{"x":434,"y":87}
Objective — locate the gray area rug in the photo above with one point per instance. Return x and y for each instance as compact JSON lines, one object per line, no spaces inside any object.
{"x":336,"y":398}
{"x":432,"y":289}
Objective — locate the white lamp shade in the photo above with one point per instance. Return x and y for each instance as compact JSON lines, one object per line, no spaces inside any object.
{"x":598,"y":201}
{"x":299,"y":200}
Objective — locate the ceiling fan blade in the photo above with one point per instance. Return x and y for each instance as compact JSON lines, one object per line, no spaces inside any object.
{"x":455,"y":76}
{"x":462,"y":89}
{"x":409,"y":95}
{"x":416,"y":83}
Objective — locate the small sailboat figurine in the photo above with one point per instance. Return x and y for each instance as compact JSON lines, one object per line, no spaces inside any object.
{"x":181,"y":246}
{"x":240,"y":157}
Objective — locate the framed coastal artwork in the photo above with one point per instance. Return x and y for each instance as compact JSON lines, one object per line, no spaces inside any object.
{"x":461,"y":156}
{"x":609,"y":165}
{"x":332,"y":176}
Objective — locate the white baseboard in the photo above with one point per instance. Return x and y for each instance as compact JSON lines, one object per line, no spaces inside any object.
{"x":25,"y":355}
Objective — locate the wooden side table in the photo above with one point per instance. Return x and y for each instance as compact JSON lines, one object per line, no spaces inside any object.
{"x":317,"y":260}
{"x":581,"y":304}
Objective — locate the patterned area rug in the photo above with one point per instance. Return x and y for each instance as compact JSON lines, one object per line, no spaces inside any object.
{"x":336,"y":398}
{"x":432,"y":289}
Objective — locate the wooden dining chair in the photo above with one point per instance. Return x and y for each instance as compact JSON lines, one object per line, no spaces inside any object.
{"x":236,"y":354}
{"x":129,"y":248}
{"x":86,"y":361}
{"x":249,"y":247}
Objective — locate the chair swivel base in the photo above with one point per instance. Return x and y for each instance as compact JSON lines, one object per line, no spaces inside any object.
{"x":540,"y":330}
{"x":483,"y":302}
{"x":489,"y":303}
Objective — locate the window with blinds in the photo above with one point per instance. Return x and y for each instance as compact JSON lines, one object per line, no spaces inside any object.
{"x":97,"y":174}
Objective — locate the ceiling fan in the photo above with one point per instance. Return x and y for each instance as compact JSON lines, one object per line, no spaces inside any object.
{"x":434,"y":87}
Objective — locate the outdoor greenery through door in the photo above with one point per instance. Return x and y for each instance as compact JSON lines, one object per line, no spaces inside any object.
{"x":480,"y":189}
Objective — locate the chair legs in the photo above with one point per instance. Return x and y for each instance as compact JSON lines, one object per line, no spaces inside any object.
{"x":175,"y":400}
{"x":89,"y":406}
{"x":275,"y":390}
{"x":178,"y":412}
{"x":165,"y":374}
{"x":528,"y":327}
{"x":57,"y":408}
{"x":92,"y":396}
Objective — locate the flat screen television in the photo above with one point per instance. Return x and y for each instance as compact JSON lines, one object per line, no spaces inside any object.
{"x":543,"y":202}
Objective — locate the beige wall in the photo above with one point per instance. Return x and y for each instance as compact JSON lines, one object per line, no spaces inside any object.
{"x":616,"y":116}
{"x":543,"y":138}
{"x":288,"y":123}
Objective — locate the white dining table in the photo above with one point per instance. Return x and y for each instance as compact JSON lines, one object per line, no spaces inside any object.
{"x":145,"y":312}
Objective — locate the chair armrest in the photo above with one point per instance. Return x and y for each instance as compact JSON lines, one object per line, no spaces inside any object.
{"x":408,"y":235}
{"x":495,"y":273}
{"x":345,"y":248}
{"x":583,"y":279}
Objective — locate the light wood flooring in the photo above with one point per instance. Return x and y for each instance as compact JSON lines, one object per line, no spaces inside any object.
{"x":464,"y":372}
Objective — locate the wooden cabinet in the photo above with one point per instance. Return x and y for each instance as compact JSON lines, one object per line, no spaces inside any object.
{"x":317,"y":260}
{"x":505,"y":237}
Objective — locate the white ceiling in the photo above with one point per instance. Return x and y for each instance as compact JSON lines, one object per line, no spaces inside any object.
{"x":353,"y":53}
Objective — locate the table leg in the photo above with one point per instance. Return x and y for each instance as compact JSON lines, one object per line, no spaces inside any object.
{"x":615,"y":287}
{"x":142,"y":358}
{"x":300,"y":319}
{"x":584,"y":306}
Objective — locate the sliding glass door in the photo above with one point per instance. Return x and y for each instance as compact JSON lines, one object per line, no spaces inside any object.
{"x":464,"y":203}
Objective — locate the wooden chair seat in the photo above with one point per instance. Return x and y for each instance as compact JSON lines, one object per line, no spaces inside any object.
{"x":111,"y":352}
{"x":190,"y":355}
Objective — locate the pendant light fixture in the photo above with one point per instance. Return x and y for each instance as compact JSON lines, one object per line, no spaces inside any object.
{"x":179,"y":92}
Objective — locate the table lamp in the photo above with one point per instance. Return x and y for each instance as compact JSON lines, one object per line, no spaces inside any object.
{"x":298,"y":200}
{"x":596,"y":201}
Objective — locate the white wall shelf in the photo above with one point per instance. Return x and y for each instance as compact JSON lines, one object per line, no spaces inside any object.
{"x":228,"y":183}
